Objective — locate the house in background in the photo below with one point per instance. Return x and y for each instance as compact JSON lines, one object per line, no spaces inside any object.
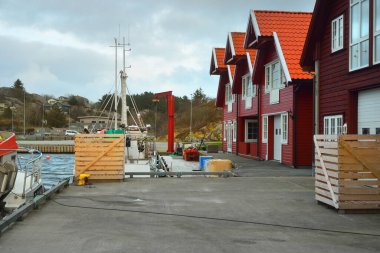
{"x":246,"y":119}
{"x":225,"y":98}
{"x":285,"y":96}
{"x":343,"y":49}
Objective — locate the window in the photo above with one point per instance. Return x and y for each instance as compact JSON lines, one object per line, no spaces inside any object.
{"x":333,"y":125}
{"x":376,"y":32}
{"x":284,"y":127}
{"x":247,"y":91}
{"x":234,"y":127}
{"x":337,"y":34}
{"x":229,"y":97}
{"x":225,"y":131}
{"x":265,"y":129}
{"x":359,"y":34}
{"x":274,"y":80}
{"x":251,"y":130}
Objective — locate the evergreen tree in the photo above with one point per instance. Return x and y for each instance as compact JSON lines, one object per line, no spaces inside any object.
{"x":18,"y":89}
{"x":56,"y":118}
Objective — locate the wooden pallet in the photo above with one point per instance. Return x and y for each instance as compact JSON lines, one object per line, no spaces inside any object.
{"x":100,"y":155}
{"x":347,"y":173}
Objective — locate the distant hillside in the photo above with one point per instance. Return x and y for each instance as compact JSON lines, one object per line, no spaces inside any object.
{"x":206,"y":118}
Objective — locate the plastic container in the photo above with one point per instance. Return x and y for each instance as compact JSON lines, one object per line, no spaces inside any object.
{"x":203,"y":160}
{"x":218,"y":165}
{"x":113,"y":131}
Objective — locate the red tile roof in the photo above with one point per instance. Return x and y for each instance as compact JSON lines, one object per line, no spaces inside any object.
{"x":232,"y":68}
{"x":252,"y":55}
{"x":238,"y":40}
{"x":220,"y":57}
{"x":291,"y":28}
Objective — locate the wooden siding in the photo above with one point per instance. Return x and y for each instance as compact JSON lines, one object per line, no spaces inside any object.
{"x":304,"y":125}
{"x":338,"y":86}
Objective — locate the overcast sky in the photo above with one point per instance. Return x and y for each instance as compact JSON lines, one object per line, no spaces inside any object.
{"x":62,"y":47}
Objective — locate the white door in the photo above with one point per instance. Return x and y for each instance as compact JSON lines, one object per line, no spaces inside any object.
{"x":369,"y":111}
{"x":277,"y":138}
{"x":229,"y":137}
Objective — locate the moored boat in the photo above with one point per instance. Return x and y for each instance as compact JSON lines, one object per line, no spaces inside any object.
{"x":8,"y":167}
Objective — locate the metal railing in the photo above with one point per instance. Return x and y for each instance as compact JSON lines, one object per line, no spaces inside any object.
{"x":31,"y":167}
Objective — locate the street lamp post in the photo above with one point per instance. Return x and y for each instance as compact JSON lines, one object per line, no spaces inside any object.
{"x":24,"y":113}
{"x":155,"y":101}
{"x":191,"y":116}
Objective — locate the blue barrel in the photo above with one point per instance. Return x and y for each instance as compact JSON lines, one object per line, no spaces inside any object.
{"x":202,"y":161}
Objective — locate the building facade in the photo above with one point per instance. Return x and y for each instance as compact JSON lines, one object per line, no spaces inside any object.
{"x":343,"y":49}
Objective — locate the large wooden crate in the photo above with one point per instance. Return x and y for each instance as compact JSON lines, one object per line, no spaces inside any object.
{"x":347,"y":173}
{"x":100,"y":155}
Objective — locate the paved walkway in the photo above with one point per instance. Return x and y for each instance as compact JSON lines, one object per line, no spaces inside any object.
{"x":247,"y":167}
{"x":271,"y":208}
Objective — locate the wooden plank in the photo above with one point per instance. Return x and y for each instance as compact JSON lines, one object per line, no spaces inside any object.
{"x":353,"y":183}
{"x":327,"y":158}
{"x":325,"y":200}
{"x":323,"y":185}
{"x":321,"y":178}
{"x":359,"y":191}
{"x":328,"y":145}
{"x":104,"y":158}
{"x":351,"y":167}
{"x":101,"y":163}
{"x":359,"y":197}
{"x":331,"y":174}
{"x":107,"y":177}
{"x":352,"y":137}
{"x":359,"y":205}
{"x":329,"y":166}
{"x":329,"y":151}
{"x":355,"y":175}
{"x":96,"y":149}
{"x":326,"y":194}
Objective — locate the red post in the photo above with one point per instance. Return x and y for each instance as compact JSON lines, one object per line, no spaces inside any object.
{"x":170,"y":106}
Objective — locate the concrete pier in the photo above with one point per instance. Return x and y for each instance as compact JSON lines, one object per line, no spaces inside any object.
{"x":271,"y":208}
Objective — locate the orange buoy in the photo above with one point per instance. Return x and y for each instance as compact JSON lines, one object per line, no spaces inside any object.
{"x":47,"y":157}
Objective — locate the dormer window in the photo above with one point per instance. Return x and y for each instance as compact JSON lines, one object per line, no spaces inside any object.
{"x":229,"y":97}
{"x":274,"y":80}
{"x":248,"y":91}
{"x":337,"y":34}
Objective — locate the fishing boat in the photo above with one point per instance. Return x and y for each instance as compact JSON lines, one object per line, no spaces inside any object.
{"x":20,"y":176}
{"x":8,"y":167}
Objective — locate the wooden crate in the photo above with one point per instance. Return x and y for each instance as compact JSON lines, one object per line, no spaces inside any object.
{"x":347,"y":172}
{"x":100,"y":155}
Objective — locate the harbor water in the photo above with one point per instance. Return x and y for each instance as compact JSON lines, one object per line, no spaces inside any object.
{"x":55,"y":167}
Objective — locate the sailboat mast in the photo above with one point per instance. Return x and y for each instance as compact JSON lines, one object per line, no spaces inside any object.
{"x":124,"y":90}
{"x":115,"y":113}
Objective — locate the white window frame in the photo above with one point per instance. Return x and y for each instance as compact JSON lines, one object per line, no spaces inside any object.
{"x":333,"y":123}
{"x":229,"y":97}
{"x":225,"y":131}
{"x":376,"y":33}
{"x":247,"y":121}
{"x":265,"y":129}
{"x":247,"y":88}
{"x":234,"y":131}
{"x":337,"y":38}
{"x":361,"y":39}
{"x":284,"y":128}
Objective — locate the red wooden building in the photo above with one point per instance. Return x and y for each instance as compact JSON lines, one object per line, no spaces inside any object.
{"x":245,"y":94}
{"x":285,"y":91}
{"x":225,"y":98}
{"x":343,"y":49}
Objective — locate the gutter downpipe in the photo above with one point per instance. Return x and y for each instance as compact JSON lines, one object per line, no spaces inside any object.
{"x":296,"y":88}
{"x":316,"y":110}
{"x":237,"y":125}
{"x":258,"y":121}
